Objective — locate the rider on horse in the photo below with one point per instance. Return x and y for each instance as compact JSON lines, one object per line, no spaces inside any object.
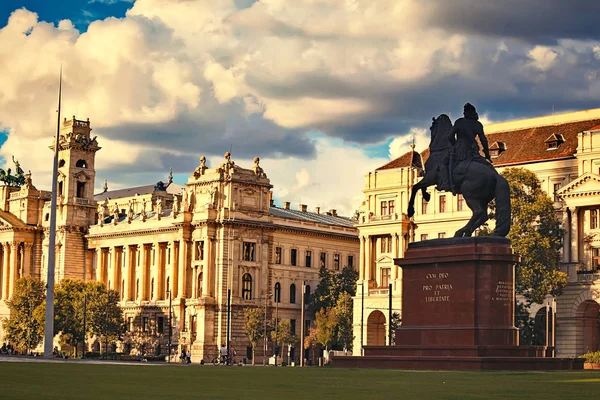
{"x":464,"y":148}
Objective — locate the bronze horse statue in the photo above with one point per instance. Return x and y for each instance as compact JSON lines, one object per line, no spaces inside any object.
{"x":479,"y":184}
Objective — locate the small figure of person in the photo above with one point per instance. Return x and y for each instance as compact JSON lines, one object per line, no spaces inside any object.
{"x":188,"y":357}
{"x":223,"y":353}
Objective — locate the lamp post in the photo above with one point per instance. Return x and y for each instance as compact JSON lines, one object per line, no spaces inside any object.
{"x":277,"y":300}
{"x":265,"y":333}
{"x":170,"y":323}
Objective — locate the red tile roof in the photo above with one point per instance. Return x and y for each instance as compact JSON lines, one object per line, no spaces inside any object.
{"x":524,"y":145}
{"x":411,"y":158}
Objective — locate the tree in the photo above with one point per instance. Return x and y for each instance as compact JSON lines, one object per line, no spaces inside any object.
{"x":283,"y":337}
{"x":25,"y":326}
{"x":343,"y":319}
{"x":346,"y":281}
{"x":396,"y":322}
{"x":325,"y":324}
{"x":103,"y":314}
{"x":331,"y":286}
{"x":535,"y":235}
{"x":254,"y":326}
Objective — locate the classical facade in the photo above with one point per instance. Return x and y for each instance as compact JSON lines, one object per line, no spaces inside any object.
{"x":563,"y":151}
{"x":186,"y":249}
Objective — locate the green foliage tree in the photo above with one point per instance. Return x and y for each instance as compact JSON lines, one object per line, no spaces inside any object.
{"x":254,"y":326}
{"x":396,"y":322}
{"x":535,"y":235}
{"x":343,"y":321}
{"x":283,"y":336}
{"x":25,"y":326}
{"x":331,"y":286}
{"x":104,"y":317}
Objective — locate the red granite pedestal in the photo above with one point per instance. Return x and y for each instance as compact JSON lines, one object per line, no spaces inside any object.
{"x":458,"y":311}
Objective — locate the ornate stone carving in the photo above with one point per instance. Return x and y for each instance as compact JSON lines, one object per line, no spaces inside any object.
{"x":159,"y":208}
{"x":199,"y":171}
{"x":175,"y":205}
{"x":130,"y":211}
{"x":115,"y":213}
{"x":144,"y":210}
{"x":258,"y":169}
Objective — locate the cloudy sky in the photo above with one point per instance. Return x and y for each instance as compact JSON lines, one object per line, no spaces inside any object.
{"x":322,"y":90}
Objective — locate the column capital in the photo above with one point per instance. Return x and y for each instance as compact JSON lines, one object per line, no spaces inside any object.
{"x":28,"y":246}
{"x":14,"y":244}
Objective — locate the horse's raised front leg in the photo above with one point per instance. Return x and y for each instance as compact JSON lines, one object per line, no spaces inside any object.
{"x":479,"y":217}
{"x":419,"y":186}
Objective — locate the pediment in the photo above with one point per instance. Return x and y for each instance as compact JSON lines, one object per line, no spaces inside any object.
{"x":8,"y":221}
{"x":584,"y":186}
{"x":385,"y":260}
{"x":81,"y":176}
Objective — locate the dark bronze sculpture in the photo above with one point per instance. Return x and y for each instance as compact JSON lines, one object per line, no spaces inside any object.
{"x":454,"y":164}
{"x":13,"y":180}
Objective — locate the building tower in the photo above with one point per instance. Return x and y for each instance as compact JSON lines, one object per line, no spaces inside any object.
{"x":75,"y":194}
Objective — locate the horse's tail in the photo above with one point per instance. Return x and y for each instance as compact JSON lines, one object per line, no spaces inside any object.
{"x":503,"y":219}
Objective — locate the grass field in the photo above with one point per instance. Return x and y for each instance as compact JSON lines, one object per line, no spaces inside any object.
{"x":93,"y":381}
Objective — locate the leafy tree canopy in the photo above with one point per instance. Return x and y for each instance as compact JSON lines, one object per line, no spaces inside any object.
{"x":535,"y":235}
{"x":25,"y":326}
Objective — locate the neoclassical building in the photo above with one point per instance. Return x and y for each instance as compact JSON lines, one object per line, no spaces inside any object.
{"x":166,"y":244}
{"x":563,"y":151}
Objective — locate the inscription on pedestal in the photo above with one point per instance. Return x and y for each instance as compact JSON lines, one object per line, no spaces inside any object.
{"x":504,"y":291}
{"x":439,"y":289}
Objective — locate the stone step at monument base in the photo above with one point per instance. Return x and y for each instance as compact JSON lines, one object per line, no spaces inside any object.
{"x":459,"y":363}
{"x":458,"y":351}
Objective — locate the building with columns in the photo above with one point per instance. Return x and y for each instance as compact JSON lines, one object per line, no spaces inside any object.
{"x":185,"y":246}
{"x":563,"y":151}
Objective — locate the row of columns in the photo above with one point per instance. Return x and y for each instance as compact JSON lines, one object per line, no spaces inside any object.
{"x":366,"y":264}
{"x":140,"y":272}
{"x":15,"y":263}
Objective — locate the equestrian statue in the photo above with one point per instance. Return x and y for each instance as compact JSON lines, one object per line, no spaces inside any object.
{"x":456,"y":165}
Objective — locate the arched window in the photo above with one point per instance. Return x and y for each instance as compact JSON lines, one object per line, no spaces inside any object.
{"x":247,"y":286}
{"x":307,"y":295}
{"x":81,"y":164}
{"x":293,"y":293}
{"x":277,"y":293}
{"x":199,"y":283}
{"x":61,"y":163}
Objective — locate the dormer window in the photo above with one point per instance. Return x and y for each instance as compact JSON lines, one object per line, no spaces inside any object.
{"x":497,"y":148}
{"x":554,"y":141}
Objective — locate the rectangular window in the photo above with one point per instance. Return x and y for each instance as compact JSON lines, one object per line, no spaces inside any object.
{"x":308,"y":259}
{"x":423,"y":236}
{"x":384,"y":208}
{"x":145,"y":324}
{"x":556,"y":187}
{"x":424,"y":206}
{"x":385,"y":277}
{"x":443,"y":203}
{"x":323,"y":260}
{"x":293,"y":327}
{"x":391,"y":207}
{"x":80,"y":189}
{"x":249,"y":251}
{"x":595,"y":257}
{"x":293,"y":256}
{"x":130,"y":324}
{"x":460,"y":202}
{"x":389,"y":244}
{"x":161,"y":324}
{"x":593,"y":219}
{"x":277,"y":255}
{"x":336,"y":262}
{"x":383,"y":242}
{"x":351,"y":261}
{"x":441,"y":235}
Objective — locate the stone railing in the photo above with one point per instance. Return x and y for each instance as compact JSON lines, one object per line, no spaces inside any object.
{"x":389,"y":217}
{"x":15,"y":195}
{"x":79,"y":200}
{"x":379,"y":292}
{"x":588,"y":277}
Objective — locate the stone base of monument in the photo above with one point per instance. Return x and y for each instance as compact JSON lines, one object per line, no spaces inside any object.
{"x":458,"y":305}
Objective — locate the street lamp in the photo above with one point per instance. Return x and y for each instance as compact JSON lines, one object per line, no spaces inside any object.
{"x":170,"y":323}
{"x":265,"y":333}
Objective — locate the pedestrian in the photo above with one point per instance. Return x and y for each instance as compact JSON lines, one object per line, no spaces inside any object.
{"x":189,"y":357}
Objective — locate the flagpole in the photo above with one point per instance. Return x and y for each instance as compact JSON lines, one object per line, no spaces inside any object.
{"x":49,"y":325}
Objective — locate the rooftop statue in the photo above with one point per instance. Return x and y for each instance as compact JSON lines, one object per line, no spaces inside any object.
{"x":13,"y":180}
{"x":455,"y":165}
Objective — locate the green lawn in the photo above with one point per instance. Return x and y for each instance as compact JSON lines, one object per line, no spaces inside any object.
{"x":91,"y":381}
